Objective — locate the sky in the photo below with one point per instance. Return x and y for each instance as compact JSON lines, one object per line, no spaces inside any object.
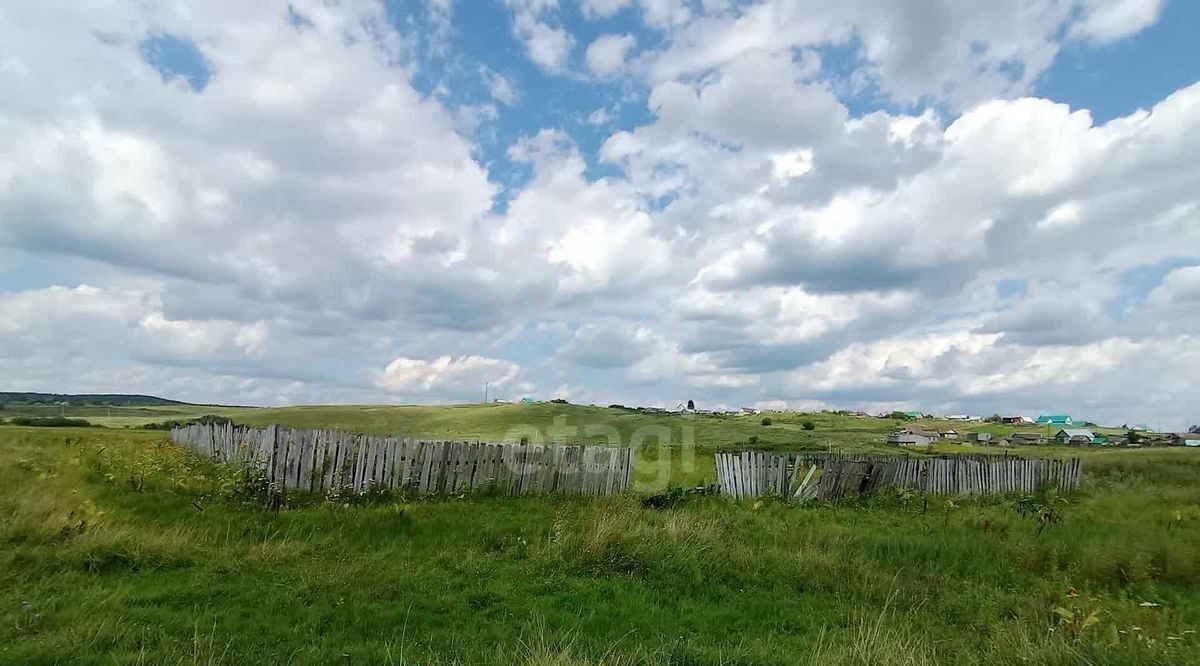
{"x":955,"y":207}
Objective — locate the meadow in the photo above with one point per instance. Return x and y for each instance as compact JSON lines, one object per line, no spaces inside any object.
{"x":116,"y":547}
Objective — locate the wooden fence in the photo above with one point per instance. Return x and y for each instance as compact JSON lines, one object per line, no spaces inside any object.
{"x":831,"y":476}
{"x":322,"y":460}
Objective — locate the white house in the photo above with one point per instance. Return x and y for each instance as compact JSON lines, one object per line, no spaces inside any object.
{"x":912,"y":437}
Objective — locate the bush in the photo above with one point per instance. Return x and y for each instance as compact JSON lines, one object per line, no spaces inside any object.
{"x":207,"y":419}
{"x":616,"y":406}
{"x":49,"y":422}
{"x":766,"y":420}
{"x":808,"y":425}
{"x":559,"y":401}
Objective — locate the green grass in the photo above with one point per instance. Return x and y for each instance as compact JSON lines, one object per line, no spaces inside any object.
{"x":172,"y":568}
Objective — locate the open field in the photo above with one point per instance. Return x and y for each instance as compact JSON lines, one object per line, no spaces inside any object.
{"x":117,"y":548}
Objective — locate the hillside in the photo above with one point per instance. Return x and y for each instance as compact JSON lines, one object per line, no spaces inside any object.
{"x":10,"y":398}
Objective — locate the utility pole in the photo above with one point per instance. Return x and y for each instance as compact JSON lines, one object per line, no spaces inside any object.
{"x":485,"y":392}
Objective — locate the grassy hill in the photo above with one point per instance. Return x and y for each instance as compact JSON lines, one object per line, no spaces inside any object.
{"x":111,"y":399}
{"x":662,"y":441}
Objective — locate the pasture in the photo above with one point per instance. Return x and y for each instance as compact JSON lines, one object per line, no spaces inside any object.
{"x":117,"y":547}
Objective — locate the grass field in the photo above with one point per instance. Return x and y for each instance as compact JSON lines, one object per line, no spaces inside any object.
{"x":116,"y":547}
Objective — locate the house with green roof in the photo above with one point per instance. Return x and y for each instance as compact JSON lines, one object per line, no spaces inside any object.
{"x":1054,"y":419}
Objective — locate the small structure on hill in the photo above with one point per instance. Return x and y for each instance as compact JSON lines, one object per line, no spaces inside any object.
{"x":980,"y":437}
{"x":1016,"y":420}
{"x":1078,"y":436}
{"x":1055,"y":419}
{"x":1185,"y":439}
{"x":1028,"y":438}
{"x":950,"y":433}
{"x":912,"y":437}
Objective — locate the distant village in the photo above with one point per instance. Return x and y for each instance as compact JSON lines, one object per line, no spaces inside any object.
{"x":1045,"y":429}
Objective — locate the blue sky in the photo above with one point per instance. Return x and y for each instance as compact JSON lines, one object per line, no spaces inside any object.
{"x":952,"y":207}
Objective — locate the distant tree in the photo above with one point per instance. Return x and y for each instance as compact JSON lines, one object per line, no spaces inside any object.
{"x":808,"y":425}
{"x":1133,"y":436}
{"x":900,"y":416}
{"x":766,"y":420}
{"x":559,"y":401}
{"x":691,"y":405}
{"x":616,"y":406}
{"x":995,"y":418}
{"x":1195,"y":428}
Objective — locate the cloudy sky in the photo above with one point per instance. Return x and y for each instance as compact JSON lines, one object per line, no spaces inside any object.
{"x":948,"y":206}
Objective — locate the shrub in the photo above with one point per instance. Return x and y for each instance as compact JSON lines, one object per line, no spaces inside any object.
{"x":49,"y":422}
{"x":766,"y":420}
{"x":808,"y":425}
{"x":559,"y":401}
{"x":207,"y":419}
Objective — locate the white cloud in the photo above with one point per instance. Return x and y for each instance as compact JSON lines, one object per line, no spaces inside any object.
{"x":502,"y":88}
{"x":1109,"y":20}
{"x":606,"y":54}
{"x":961,"y":52}
{"x":547,"y":45}
{"x":594,"y":9}
{"x":448,"y":377}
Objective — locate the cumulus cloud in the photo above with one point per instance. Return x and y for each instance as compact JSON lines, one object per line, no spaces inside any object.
{"x":594,"y":9}
{"x":448,"y":377}
{"x":546,"y":44}
{"x":606,"y":55}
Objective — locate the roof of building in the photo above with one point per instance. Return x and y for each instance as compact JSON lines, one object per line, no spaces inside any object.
{"x":916,"y":432}
{"x":1053,"y":418}
{"x":1075,"y":432}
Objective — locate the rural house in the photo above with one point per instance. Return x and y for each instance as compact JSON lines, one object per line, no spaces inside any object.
{"x":1028,"y":438}
{"x":1074,"y":436}
{"x":912,"y":437}
{"x":1017,"y":420}
{"x":1055,"y":419}
{"x":1185,"y":439}
{"x":981,"y":437}
{"x":950,"y":434}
